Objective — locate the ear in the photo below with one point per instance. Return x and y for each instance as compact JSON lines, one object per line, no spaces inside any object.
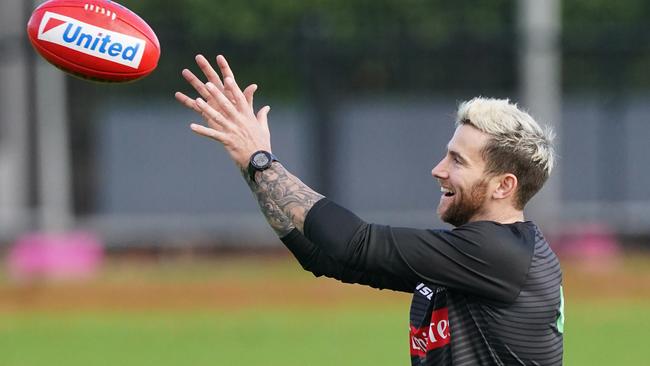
{"x":506,"y":185}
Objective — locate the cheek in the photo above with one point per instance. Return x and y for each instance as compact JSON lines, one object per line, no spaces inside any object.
{"x":468,"y":180}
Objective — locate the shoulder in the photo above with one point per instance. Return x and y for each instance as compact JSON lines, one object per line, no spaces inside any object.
{"x":513,"y":243}
{"x":518,"y":232}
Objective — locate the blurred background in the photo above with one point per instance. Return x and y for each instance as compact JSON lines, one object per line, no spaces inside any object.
{"x":126,"y":239}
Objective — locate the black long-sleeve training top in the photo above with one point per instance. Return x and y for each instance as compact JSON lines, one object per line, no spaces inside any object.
{"x":484,"y":293}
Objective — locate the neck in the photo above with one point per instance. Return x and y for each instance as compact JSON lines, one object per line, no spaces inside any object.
{"x":501,"y":216}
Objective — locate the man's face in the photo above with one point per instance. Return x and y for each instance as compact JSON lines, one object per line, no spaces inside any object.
{"x":461,"y":176}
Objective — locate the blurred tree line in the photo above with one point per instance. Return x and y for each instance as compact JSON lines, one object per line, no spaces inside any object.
{"x":393,"y":45}
{"x":606,"y":45}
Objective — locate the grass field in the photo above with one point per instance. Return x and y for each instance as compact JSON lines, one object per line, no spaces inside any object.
{"x":265,"y":311}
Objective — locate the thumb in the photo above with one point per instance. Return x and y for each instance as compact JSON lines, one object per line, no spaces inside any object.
{"x":262,"y":116}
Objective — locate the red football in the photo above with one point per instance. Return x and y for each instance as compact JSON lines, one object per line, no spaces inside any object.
{"x":94,"y":39}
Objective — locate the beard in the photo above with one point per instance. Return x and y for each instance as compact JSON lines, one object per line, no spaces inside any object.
{"x":465,"y":205}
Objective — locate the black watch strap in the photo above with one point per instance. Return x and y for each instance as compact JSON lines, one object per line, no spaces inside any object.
{"x":259,"y":161}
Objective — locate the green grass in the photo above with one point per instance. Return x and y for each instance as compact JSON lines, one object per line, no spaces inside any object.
{"x":262,"y":337}
{"x":596,"y":334}
{"x":607,"y":333}
{"x":359,"y":328}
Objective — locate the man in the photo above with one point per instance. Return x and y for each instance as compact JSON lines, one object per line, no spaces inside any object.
{"x":485,"y":293}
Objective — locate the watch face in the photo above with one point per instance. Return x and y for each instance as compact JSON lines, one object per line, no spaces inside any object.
{"x":261,"y":160}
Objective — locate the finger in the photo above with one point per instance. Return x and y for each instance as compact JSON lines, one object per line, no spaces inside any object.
{"x":226,"y":71}
{"x":208,"y":132}
{"x":212,"y":116}
{"x":212,"y":123}
{"x":262,"y":116}
{"x":224,"y":103}
{"x":249,"y":92}
{"x":230,"y":97}
{"x":231,"y":85}
{"x":208,"y":71}
{"x":187,"y":101}
{"x":196,"y":83}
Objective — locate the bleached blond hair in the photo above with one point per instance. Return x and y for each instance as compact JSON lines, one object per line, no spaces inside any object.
{"x":517,"y":144}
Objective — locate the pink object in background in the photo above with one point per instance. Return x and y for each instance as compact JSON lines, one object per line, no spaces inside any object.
{"x":58,"y":256}
{"x":593,"y":245}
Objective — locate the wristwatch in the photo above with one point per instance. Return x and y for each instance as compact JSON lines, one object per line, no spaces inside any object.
{"x":259,"y":161}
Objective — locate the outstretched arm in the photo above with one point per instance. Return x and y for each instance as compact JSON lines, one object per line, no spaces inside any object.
{"x":283,"y":198}
{"x":229,"y":118}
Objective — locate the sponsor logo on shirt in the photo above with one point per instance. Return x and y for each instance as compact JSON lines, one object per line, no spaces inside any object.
{"x":427,"y":292}
{"x":434,"y":336}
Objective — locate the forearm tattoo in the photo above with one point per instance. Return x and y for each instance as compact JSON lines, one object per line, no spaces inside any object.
{"x":283,"y":198}
{"x":278,"y":221}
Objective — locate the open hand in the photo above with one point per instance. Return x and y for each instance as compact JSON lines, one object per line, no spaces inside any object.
{"x":227,"y":112}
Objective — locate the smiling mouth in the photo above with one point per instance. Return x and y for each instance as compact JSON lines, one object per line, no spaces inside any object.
{"x":447,"y":192}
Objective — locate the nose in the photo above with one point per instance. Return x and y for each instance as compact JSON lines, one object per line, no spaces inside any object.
{"x":439,"y":171}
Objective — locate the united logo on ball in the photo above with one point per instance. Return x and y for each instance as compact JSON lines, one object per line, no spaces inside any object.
{"x":97,"y":40}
